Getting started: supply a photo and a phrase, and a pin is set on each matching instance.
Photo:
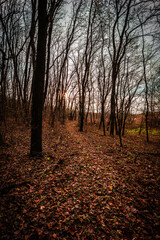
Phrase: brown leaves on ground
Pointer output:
(85, 187)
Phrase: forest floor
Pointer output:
(85, 187)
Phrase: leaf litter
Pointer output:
(84, 187)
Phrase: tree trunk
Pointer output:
(82, 113)
(146, 118)
(112, 116)
(38, 82)
(3, 101)
(124, 124)
(103, 120)
(146, 84)
(64, 110)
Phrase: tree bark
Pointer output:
(112, 116)
(82, 113)
(38, 81)
(3, 101)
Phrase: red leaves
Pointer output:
(27, 237)
(110, 203)
(54, 235)
(72, 232)
(90, 195)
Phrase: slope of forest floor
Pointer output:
(85, 187)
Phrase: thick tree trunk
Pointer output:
(38, 82)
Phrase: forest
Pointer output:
(80, 119)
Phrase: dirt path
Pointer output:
(89, 162)
(110, 190)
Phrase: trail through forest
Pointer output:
(85, 187)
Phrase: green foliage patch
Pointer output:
(153, 132)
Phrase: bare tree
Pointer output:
(122, 31)
(103, 81)
(38, 81)
(62, 73)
